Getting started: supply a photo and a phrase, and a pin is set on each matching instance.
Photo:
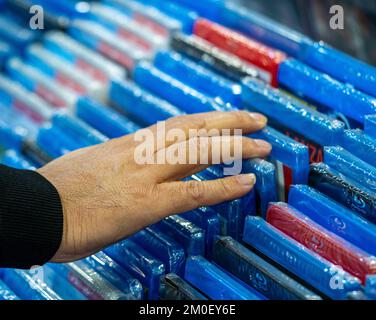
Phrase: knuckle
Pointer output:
(239, 116)
(196, 190)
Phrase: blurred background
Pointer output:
(311, 17)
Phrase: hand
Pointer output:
(107, 196)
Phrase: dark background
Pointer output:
(312, 17)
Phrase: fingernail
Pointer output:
(258, 117)
(263, 145)
(247, 179)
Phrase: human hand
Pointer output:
(107, 196)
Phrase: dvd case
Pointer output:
(214, 282)
(14, 95)
(174, 91)
(6, 293)
(334, 217)
(28, 286)
(163, 248)
(318, 239)
(255, 53)
(344, 190)
(307, 265)
(291, 159)
(139, 264)
(187, 234)
(207, 219)
(293, 118)
(140, 105)
(340, 66)
(82, 57)
(102, 40)
(361, 145)
(41, 84)
(175, 288)
(257, 273)
(321, 88)
(89, 282)
(370, 125)
(198, 77)
(349, 165)
(104, 119)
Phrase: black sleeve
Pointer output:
(31, 219)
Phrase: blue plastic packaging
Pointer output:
(340, 66)
(12, 158)
(257, 273)
(198, 77)
(6, 293)
(82, 57)
(107, 121)
(266, 182)
(319, 87)
(293, 118)
(191, 237)
(175, 288)
(6, 52)
(361, 145)
(129, 286)
(344, 190)
(140, 264)
(42, 85)
(289, 155)
(174, 91)
(28, 286)
(349, 165)
(209, 220)
(78, 130)
(88, 281)
(310, 267)
(163, 248)
(370, 125)
(102, 40)
(370, 288)
(13, 94)
(333, 216)
(214, 282)
(139, 105)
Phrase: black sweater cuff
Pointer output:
(31, 219)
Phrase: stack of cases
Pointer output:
(105, 69)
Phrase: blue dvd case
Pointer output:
(351, 166)
(163, 248)
(310, 267)
(174, 91)
(28, 286)
(333, 216)
(12, 158)
(139, 264)
(175, 288)
(293, 118)
(140, 105)
(187, 234)
(340, 66)
(6, 293)
(209, 220)
(361, 145)
(290, 157)
(104, 119)
(214, 282)
(319, 87)
(257, 273)
(344, 190)
(129, 286)
(78, 130)
(198, 77)
(370, 125)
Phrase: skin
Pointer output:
(107, 197)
